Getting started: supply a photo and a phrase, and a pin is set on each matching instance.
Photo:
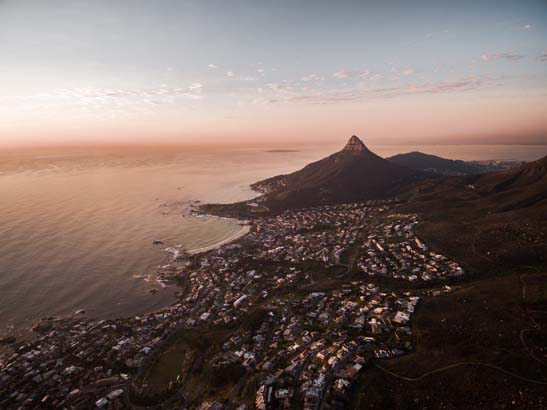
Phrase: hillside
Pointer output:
(490, 221)
(352, 174)
(442, 166)
(495, 225)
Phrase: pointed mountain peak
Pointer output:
(355, 145)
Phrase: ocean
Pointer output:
(77, 224)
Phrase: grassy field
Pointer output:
(169, 365)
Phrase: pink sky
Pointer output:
(272, 72)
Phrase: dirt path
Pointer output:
(454, 365)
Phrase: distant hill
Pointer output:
(442, 166)
(352, 174)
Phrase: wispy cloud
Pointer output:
(212, 66)
(509, 56)
(363, 74)
(237, 77)
(404, 71)
(282, 87)
(343, 74)
(106, 100)
(543, 56)
(193, 91)
(374, 77)
(195, 87)
(312, 77)
(527, 27)
(358, 94)
(370, 76)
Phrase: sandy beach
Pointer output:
(242, 232)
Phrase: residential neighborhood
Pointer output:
(296, 299)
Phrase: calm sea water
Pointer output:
(77, 224)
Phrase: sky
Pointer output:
(204, 71)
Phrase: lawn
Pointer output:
(167, 366)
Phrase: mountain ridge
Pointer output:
(489, 221)
(431, 163)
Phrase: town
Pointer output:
(293, 314)
(392, 249)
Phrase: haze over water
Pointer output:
(77, 224)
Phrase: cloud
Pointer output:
(212, 66)
(343, 74)
(233, 76)
(364, 74)
(358, 94)
(282, 87)
(543, 56)
(370, 76)
(408, 71)
(195, 87)
(260, 70)
(107, 100)
(311, 77)
(429, 35)
(527, 27)
(509, 56)
(136, 93)
(445, 86)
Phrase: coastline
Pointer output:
(24, 333)
(245, 229)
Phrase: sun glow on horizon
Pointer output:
(187, 72)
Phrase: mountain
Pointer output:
(352, 174)
(442, 166)
(490, 221)
(496, 192)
